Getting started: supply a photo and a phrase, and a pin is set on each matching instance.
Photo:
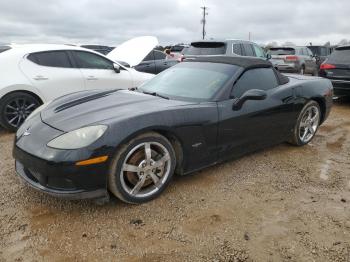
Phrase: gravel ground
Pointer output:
(281, 204)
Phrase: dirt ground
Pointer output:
(281, 204)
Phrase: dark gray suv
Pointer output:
(226, 47)
(294, 59)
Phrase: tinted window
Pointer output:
(159, 55)
(309, 53)
(324, 51)
(340, 56)
(237, 49)
(52, 59)
(92, 61)
(149, 57)
(259, 52)
(282, 51)
(191, 81)
(206, 48)
(248, 48)
(260, 78)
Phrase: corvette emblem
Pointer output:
(26, 133)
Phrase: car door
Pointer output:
(311, 60)
(52, 73)
(160, 61)
(147, 65)
(99, 73)
(256, 124)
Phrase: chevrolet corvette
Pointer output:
(196, 114)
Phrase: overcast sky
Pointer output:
(113, 21)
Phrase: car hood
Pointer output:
(85, 108)
(134, 50)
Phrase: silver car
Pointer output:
(296, 59)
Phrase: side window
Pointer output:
(149, 57)
(237, 49)
(259, 78)
(324, 51)
(309, 52)
(299, 51)
(159, 55)
(259, 52)
(51, 59)
(91, 61)
(248, 48)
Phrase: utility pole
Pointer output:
(203, 21)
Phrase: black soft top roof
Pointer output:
(245, 62)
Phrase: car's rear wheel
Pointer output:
(142, 168)
(15, 108)
(307, 124)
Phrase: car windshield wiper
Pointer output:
(155, 94)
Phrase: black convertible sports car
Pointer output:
(193, 115)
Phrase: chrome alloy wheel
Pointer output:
(17, 110)
(145, 169)
(309, 124)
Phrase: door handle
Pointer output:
(40, 78)
(92, 78)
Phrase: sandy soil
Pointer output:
(281, 204)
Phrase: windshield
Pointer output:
(282, 51)
(193, 81)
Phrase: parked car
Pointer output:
(155, 62)
(337, 68)
(193, 115)
(35, 74)
(103, 49)
(225, 47)
(320, 53)
(294, 59)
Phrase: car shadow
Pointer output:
(344, 100)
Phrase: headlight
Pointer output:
(38, 110)
(78, 138)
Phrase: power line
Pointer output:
(204, 21)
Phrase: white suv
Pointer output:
(34, 74)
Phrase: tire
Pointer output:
(135, 178)
(307, 124)
(15, 108)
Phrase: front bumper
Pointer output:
(61, 179)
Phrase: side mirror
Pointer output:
(268, 56)
(252, 94)
(116, 68)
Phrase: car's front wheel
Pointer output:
(142, 168)
(307, 124)
(15, 108)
